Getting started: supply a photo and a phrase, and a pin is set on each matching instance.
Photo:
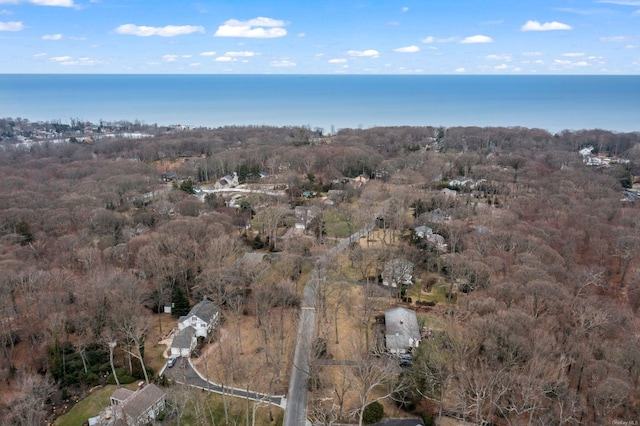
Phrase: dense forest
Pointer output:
(541, 274)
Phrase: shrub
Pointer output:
(373, 413)
(427, 419)
(123, 377)
(91, 379)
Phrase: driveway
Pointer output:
(184, 372)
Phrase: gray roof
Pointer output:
(142, 399)
(121, 394)
(423, 229)
(250, 260)
(401, 326)
(183, 338)
(205, 310)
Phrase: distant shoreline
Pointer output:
(550, 102)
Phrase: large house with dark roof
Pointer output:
(197, 323)
(132, 408)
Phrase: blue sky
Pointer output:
(321, 37)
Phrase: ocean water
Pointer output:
(330, 102)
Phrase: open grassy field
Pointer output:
(89, 407)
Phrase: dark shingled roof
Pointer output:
(142, 399)
(184, 338)
(121, 394)
(205, 310)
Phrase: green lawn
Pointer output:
(97, 400)
(88, 407)
(337, 226)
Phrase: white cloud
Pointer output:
(432, 39)
(260, 27)
(547, 26)
(170, 58)
(404, 9)
(52, 37)
(407, 49)
(501, 67)
(6, 12)
(241, 54)
(460, 69)
(615, 39)
(282, 63)
(60, 3)
(224, 59)
(167, 31)
(621, 2)
(504, 58)
(211, 53)
(370, 53)
(581, 64)
(301, 35)
(195, 64)
(11, 26)
(532, 53)
(573, 54)
(477, 39)
(69, 61)
(337, 61)
(39, 55)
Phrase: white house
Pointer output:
(197, 323)
(397, 272)
(402, 332)
(202, 317)
(424, 232)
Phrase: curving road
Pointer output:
(185, 373)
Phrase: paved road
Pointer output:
(296, 411)
(187, 374)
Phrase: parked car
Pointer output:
(171, 362)
(405, 363)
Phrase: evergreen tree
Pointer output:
(180, 301)
(24, 230)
